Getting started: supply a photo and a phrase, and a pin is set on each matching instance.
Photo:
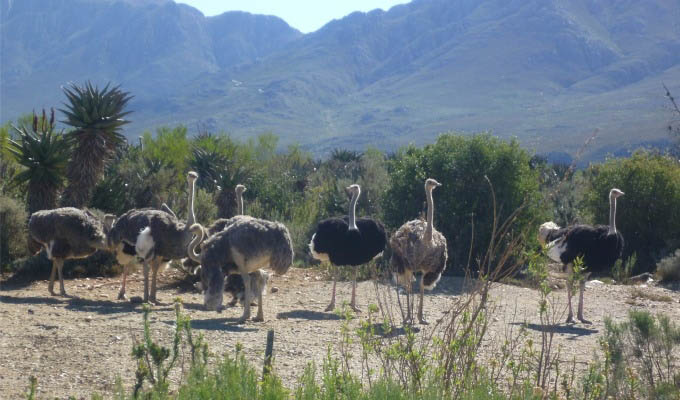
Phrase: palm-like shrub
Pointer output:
(97, 116)
(44, 153)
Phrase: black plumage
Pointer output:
(349, 247)
(599, 247)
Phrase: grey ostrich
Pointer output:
(234, 283)
(418, 247)
(123, 237)
(67, 233)
(243, 247)
(164, 239)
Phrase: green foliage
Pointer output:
(648, 215)
(168, 147)
(13, 232)
(97, 116)
(641, 360)
(155, 362)
(668, 269)
(461, 164)
(622, 270)
(44, 154)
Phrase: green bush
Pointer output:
(668, 269)
(640, 360)
(648, 215)
(13, 231)
(461, 163)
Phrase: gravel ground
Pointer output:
(81, 344)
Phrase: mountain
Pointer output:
(550, 72)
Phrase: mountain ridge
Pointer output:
(549, 72)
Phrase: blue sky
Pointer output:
(304, 15)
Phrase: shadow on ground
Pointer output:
(308, 315)
(574, 330)
(219, 324)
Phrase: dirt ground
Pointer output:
(81, 344)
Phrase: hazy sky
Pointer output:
(304, 15)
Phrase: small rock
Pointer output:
(88, 318)
(31, 311)
(274, 289)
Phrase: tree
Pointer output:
(97, 116)
(648, 215)
(461, 164)
(44, 153)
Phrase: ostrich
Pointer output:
(164, 239)
(234, 283)
(599, 245)
(243, 247)
(68, 233)
(418, 247)
(348, 241)
(124, 236)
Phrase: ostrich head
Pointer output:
(212, 282)
(431, 184)
(191, 177)
(240, 189)
(614, 193)
(353, 190)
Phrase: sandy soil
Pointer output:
(80, 344)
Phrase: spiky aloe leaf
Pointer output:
(98, 116)
(44, 153)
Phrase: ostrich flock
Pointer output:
(232, 254)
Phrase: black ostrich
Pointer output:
(599, 245)
(348, 241)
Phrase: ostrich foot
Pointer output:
(258, 319)
(62, 292)
(584, 321)
(122, 296)
(51, 290)
(570, 319)
(355, 308)
(423, 321)
(330, 307)
(241, 320)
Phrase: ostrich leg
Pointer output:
(420, 305)
(246, 306)
(121, 292)
(331, 306)
(260, 311)
(53, 276)
(353, 303)
(156, 264)
(582, 289)
(60, 265)
(146, 281)
(570, 316)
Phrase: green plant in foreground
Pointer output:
(154, 362)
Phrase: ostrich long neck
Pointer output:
(191, 219)
(612, 214)
(239, 203)
(197, 230)
(352, 212)
(430, 216)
